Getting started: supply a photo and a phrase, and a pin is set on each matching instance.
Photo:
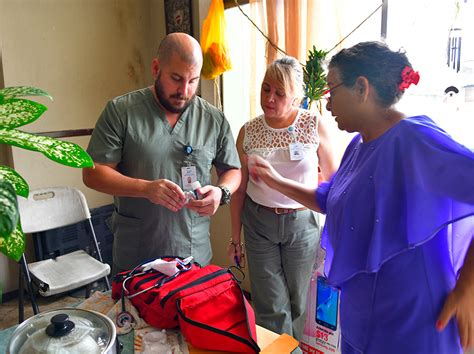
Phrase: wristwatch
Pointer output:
(225, 198)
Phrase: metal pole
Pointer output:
(383, 30)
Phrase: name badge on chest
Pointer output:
(188, 175)
(296, 151)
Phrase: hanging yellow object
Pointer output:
(216, 57)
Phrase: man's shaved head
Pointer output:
(181, 44)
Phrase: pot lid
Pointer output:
(65, 330)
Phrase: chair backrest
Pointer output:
(50, 208)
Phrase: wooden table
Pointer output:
(268, 341)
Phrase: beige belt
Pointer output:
(280, 211)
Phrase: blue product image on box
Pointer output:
(53, 243)
(327, 300)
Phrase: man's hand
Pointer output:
(209, 202)
(165, 193)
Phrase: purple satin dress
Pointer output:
(400, 218)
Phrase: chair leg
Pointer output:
(97, 250)
(27, 278)
(21, 296)
(88, 290)
(107, 284)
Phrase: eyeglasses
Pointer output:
(327, 93)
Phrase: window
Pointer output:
(241, 85)
(440, 45)
(438, 39)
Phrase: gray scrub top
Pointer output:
(133, 132)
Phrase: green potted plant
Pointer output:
(16, 112)
(315, 77)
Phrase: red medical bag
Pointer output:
(213, 312)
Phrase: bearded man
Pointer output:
(149, 146)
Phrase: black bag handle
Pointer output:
(239, 279)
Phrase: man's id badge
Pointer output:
(296, 151)
(188, 175)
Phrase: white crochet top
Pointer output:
(274, 145)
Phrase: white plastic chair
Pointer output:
(51, 208)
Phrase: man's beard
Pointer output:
(166, 103)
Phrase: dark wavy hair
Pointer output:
(375, 61)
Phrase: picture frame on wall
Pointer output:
(178, 16)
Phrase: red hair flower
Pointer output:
(408, 77)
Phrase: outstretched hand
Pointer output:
(459, 304)
(261, 170)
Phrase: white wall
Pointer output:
(83, 53)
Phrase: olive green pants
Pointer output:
(280, 255)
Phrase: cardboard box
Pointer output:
(268, 341)
(321, 334)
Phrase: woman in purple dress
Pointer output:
(400, 214)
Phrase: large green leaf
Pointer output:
(16, 112)
(8, 209)
(13, 246)
(22, 91)
(10, 175)
(314, 75)
(63, 152)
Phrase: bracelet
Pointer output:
(241, 244)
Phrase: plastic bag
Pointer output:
(216, 59)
